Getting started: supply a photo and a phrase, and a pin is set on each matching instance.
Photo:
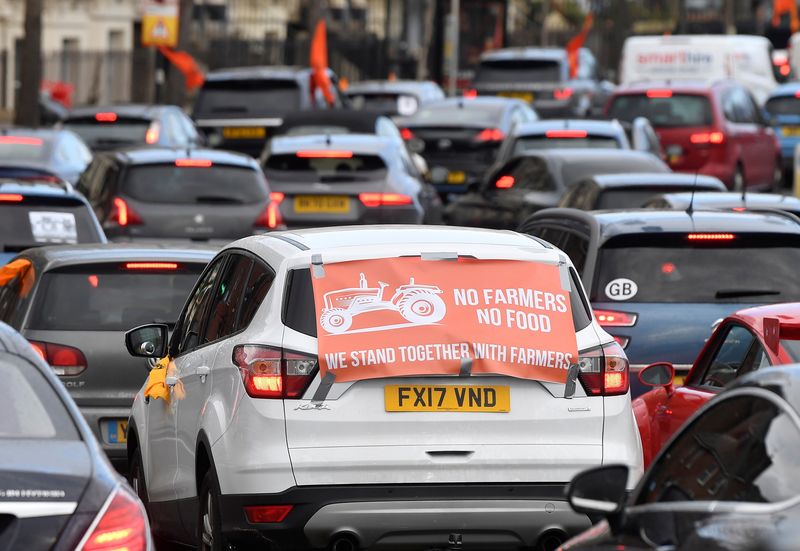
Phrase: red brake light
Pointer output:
(604, 371)
(273, 373)
(325, 154)
(797, 94)
(276, 196)
(785, 70)
(106, 117)
(124, 215)
(121, 525)
(10, 197)
(566, 133)
(93, 280)
(384, 199)
(505, 182)
(668, 268)
(65, 361)
(470, 93)
(406, 134)
(153, 133)
(658, 93)
(707, 137)
(563, 93)
(271, 216)
(739, 209)
(20, 140)
(612, 318)
(151, 265)
(710, 236)
(261, 514)
(195, 163)
(490, 135)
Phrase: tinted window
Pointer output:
(542, 142)
(23, 148)
(462, 113)
(572, 172)
(291, 168)
(519, 70)
(45, 220)
(741, 449)
(29, 407)
(106, 135)
(259, 283)
(110, 297)
(732, 357)
(783, 106)
(187, 332)
(675, 111)
(627, 198)
(227, 298)
(673, 269)
(239, 98)
(529, 174)
(168, 183)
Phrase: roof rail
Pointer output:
(776, 211)
(288, 240)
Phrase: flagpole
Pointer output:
(455, 11)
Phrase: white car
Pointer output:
(298, 462)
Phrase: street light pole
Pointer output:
(27, 101)
(454, 28)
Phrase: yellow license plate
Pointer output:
(456, 177)
(469, 398)
(244, 133)
(336, 204)
(524, 96)
(117, 431)
(792, 131)
(678, 380)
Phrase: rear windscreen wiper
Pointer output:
(737, 293)
(217, 200)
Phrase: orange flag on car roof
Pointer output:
(576, 43)
(187, 65)
(318, 60)
(781, 8)
(19, 268)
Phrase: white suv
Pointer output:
(231, 462)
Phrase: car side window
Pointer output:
(744, 107)
(88, 179)
(729, 105)
(731, 356)
(551, 234)
(187, 333)
(576, 247)
(226, 298)
(258, 285)
(529, 174)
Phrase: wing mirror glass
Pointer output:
(599, 491)
(148, 341)
(657, 374)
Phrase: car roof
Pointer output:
(355, 120)
(784, 90)
(558, 54)
(410, 86)
(152, 155)
(787, 312)
(50, 257)
(731, 199)
(365, 144)
(657, 179)
(263, 72)
(132, 110)
(610, 128)
(569, 155)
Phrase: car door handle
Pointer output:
(203, 371)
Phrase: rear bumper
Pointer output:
(393, 516)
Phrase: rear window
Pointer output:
(23, 148)
(676, 111)
(168, 183)
(121, 132)
(627, 198)
(37, 221)
(294, 168)
(401, 104)
(463, 113)
(248, 98)
(672, 269)
(572, 172)
(29, 407)
(519, 70)
(97, 297)
(542, 142)
(783, 106)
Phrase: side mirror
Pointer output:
(148, 341)
(659, 374)
(599, 491)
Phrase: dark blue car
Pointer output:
(783, 110)
(658, 280)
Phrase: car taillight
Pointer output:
(505, 182)
(272, 372)
(384, 199)
(153, 133)
(612, 318)
(325, 154)
(562, 93)
(707, 138)
(622, 341)
(490, 135)
(271, 216)
(470, 93)
(21, 140)
(123, 215)
(566, 134)
(710, 236)
(604, 371)
(260, 514)
(194, 163)
(106, 117)
(120, 525)
(65, 361)
(152, 266)
(10, 197)
(406, 134)
(659, 93)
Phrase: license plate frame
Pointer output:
(321, 204)
(527, 97)
(244, 133)
(456, 177)
(447, 398)
(115, 431)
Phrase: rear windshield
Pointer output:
(519, 70)
(45, 220)
(676, 111)
(575, 171)
(23, 148)
(627, 198)
(459, 114)
(97, 297)
(301, 316)
(542, 142)
(121, 132)
(29, 407)
(169, 183)
(745, 269)
(292, 168)
(247, 98)
(400, 104)
(783, 106)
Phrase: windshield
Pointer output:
(292, 168)
(459, 114)
(96, 297)
(248, 98)
(519, 70)
(673, 269)
(169, 183)
(37, 221)
(542, 142)
(783, 106)
(123, 131)
(675, 111)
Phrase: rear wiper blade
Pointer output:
(217, 200)
(736, 293)
(11, 248)
(229, 109)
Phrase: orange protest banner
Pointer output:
(409, 316)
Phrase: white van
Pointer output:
(745, 59)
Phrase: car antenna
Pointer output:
(690, 208)
(744, 193)
(327, 139)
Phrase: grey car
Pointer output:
(393, 97)
(74, 303)
(42, 153)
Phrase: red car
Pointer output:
(746, 341)
(712, 129)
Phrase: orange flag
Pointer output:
(781, 7)
(187, 65)
(318, 60)
(576, 43)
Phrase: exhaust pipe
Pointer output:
(343, 542)
(551, 539)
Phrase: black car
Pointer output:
(625, 191)
(726, 481)
(237, 109)
(57, 489)
(199, 194)
(726, 201)
(42, 153)
(659, 279)
(541, 78)
(538, 179)
(460, 138)
(124, 125)
(393, 97)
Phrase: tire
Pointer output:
(209, 523)
(137, 481)
(336, 320)
(739, 183)
(422, 307)
(778, 177)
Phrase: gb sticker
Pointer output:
(621, 289)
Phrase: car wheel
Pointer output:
(137, 481)
(209, 533)
(739, 182)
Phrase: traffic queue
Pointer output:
(547, 313)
